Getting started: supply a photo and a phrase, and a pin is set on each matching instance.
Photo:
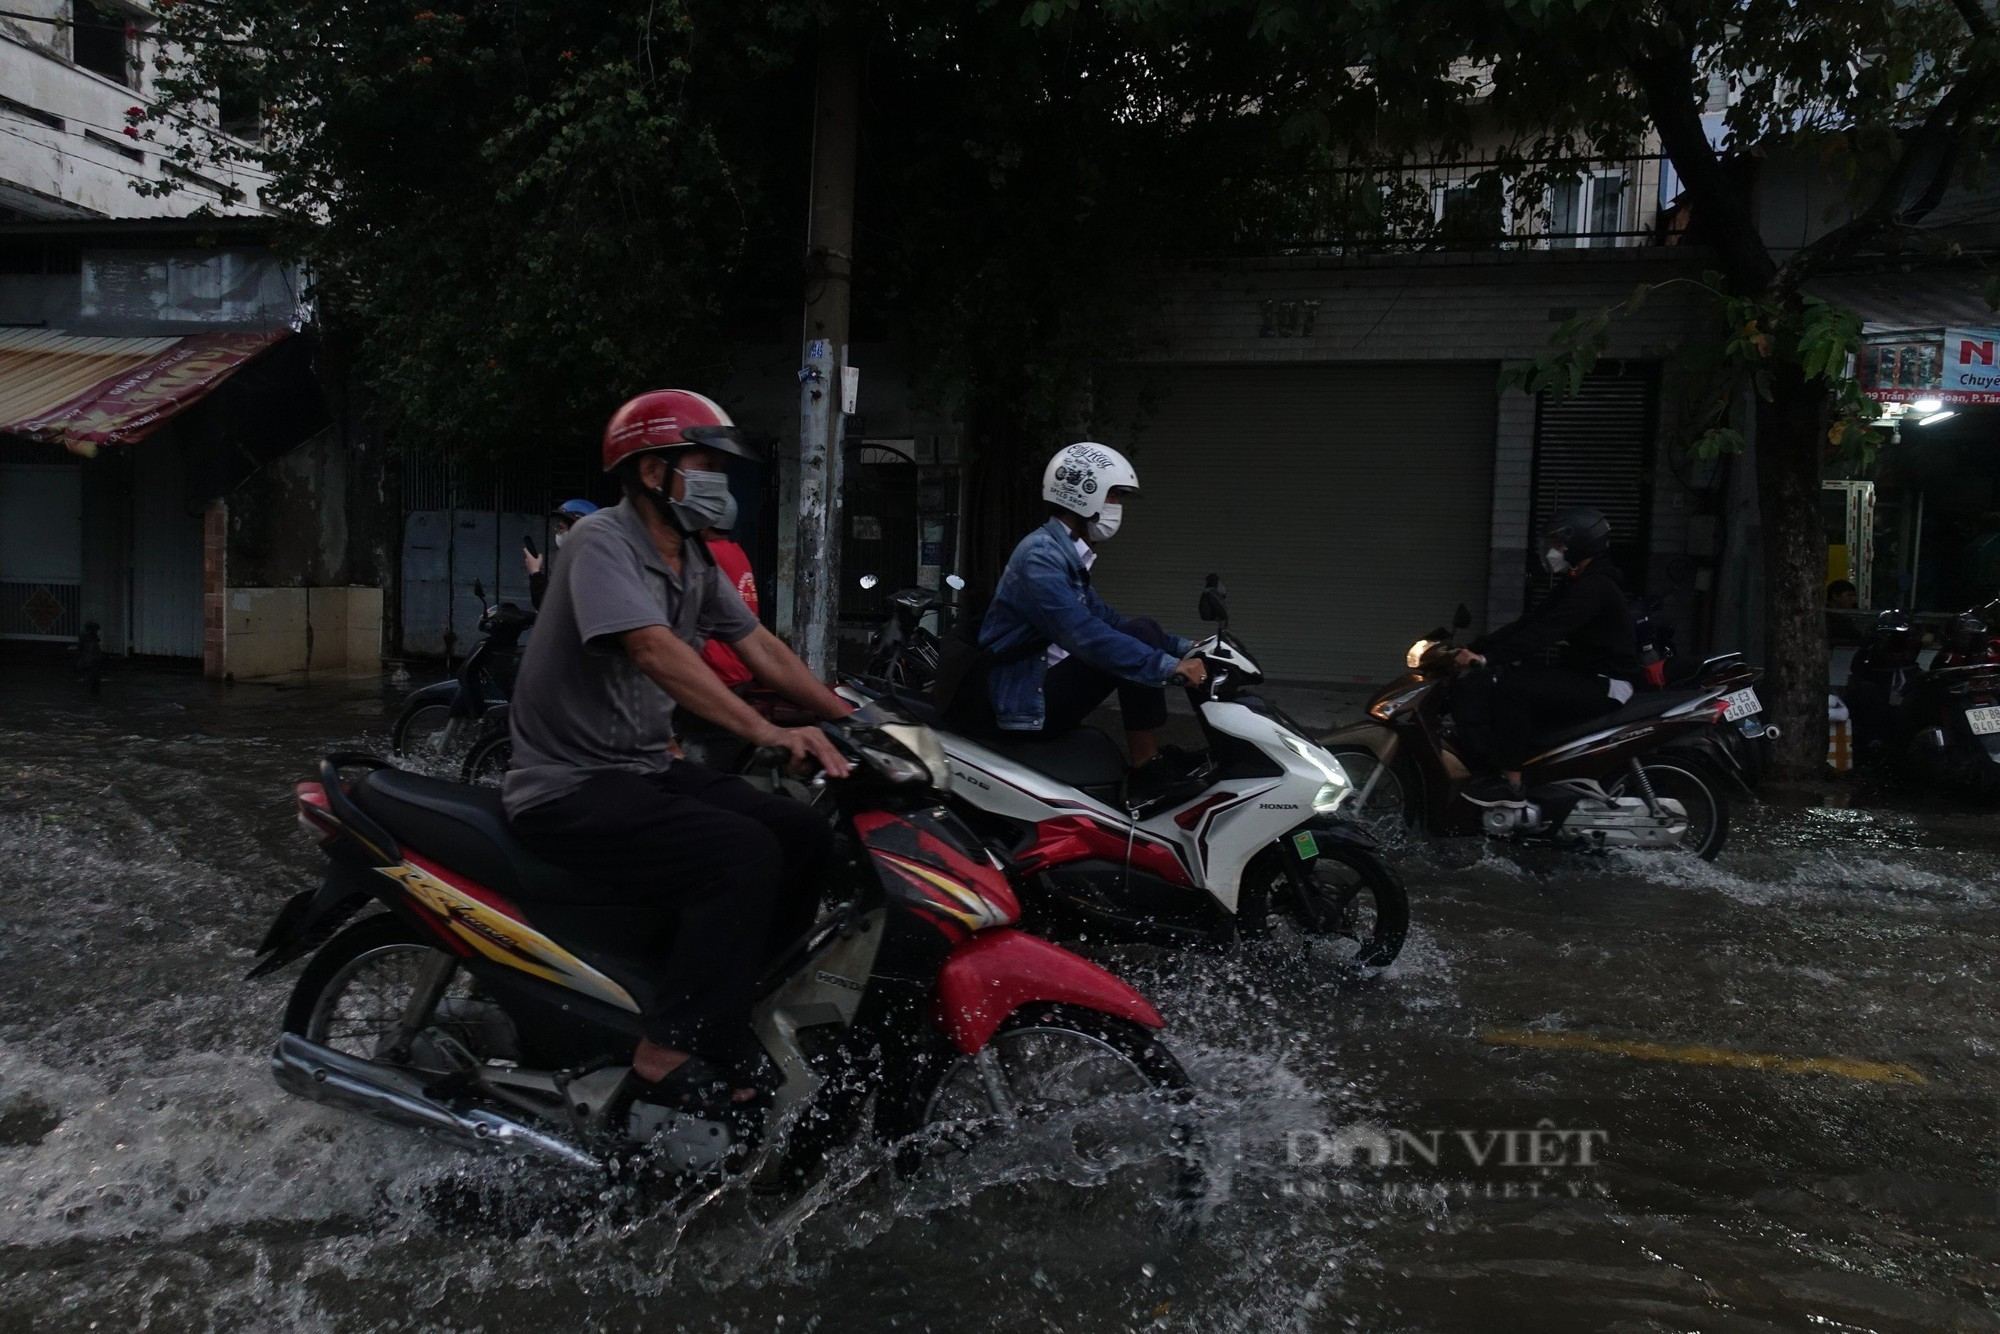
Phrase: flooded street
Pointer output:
(1611, 1094)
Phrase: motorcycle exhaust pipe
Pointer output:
(1772, 732)
(336, 1079)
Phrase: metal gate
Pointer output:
(166, 551)
(41, 550)
(463, 521)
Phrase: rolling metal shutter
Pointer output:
(1347, 508)
(166, 551)
(41, 544)
(1592, 449)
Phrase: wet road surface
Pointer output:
(1611, 1094)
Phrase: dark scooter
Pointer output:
(1939, 725)
(441, 718)
(1652, 774)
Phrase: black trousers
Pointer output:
(711, 875)
(1073, 688)
(1500, 710)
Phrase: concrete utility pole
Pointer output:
(829, 282)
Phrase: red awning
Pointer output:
(149, 381)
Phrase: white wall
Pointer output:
(68, 170)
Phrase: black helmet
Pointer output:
(1580, 531)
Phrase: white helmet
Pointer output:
(1082, 476)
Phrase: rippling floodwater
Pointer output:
(152, 1176)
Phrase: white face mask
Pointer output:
(1105, 525)
(561, 533)
(1554, 559)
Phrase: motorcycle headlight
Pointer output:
(929, 751)
(1334, 790)
(1415, 657)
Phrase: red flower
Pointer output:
(129, 130)
(135, 113)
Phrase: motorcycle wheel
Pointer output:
(1091, 1099)
(1345, 898)
(423, 730)
(488, 761)
(1700, 794)
(1395, 807)
(353, 994)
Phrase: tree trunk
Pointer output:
(1790, 428)
(1003, 495)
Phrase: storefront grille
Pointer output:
(1592, 448)
(40, 610)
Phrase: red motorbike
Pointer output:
(487, 998)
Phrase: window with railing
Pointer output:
(1514, 205)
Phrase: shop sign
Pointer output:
(1960, 367)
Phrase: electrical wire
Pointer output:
(131, 29)
(107, 166)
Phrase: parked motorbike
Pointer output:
(1939, 724)
(439, 719)
(1251, 827)
(492, 1003)
(1648, 775)
(903, 651)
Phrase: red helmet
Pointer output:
(669, 419)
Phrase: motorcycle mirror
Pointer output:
(1461, 618)
(869, 581)
(479, 591)
(954, 583)
(1212, 606)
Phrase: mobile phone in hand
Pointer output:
(528, 545)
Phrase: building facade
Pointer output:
(173, 468)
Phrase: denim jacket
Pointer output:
(1045, 598)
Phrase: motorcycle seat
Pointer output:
(1083, 758)
(1649, 704)
(463, 828)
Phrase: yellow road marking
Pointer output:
(1875, 1072)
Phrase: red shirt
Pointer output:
(735, 566)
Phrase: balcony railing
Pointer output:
(1578, 203)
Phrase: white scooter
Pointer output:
(1250, 827)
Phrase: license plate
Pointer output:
(1741, 704)
(1983, 722)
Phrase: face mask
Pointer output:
(561, 533)
(1105, 525)
(1554, 559)
(703, 498)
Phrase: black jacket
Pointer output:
(1587, 614)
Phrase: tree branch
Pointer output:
(1976, 18)
(1666, 77)
(1929, 153)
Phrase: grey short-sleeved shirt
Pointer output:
(579, 705)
